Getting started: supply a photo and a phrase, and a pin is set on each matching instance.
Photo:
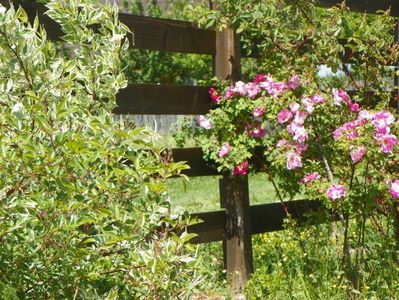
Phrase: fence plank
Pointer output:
(195, 159)
(181, 36)
(168, 35)
(33, 9)
(163, 100)
(264, 218)
(155, 99)
(238, 243)
(148, 33)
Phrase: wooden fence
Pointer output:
(237, 220)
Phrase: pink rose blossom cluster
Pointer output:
(292, 145)
(340, 96)
(310, 102)
(349, 129)
(294, 150)
(295, 119)
(256, 130)
(381, 121)
(261, 82)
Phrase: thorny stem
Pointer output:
(346, 253)
(323, 156)
(329, 176)
(278, 194)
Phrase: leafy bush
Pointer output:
(83, 209)
(305, 263)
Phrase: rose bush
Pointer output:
(322, 137)
(317, 143)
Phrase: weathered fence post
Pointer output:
(237, 245)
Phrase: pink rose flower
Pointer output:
(349, 129)
(258, 132)
(388, 142)
(260, 77)
(364, 116)
(336, 191)
(240, 88)
(317, 99)
(281, 143)
(298, 132)
(309, 106)
(204, 122)
(357, 153)
(253, 89)
(339, 96)
(382, 120)
(294, 107)
(310, 177)
(215, 96)
(229, 93)
(258, 112)
(293, 160)
(354, 107)
(241, 169)
(284, 116)
(266, 83)
(394, 188)
(225, 150)
(300, 147)
(300, 117)
(276, 89)
(255, 130)
(293, 83)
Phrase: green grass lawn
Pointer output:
(202, 193)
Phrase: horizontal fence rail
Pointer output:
(264, 218)
(163, 100)
(155, 99)
(185, 37)
(147, 33)
(194, 157)
(168, 35)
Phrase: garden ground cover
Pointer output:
(201, 194)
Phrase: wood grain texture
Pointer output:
(227, 60)
(163, 100)
(238, 243)
(168, 35)
(195, 159)
(264, 218)
(152, 99)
